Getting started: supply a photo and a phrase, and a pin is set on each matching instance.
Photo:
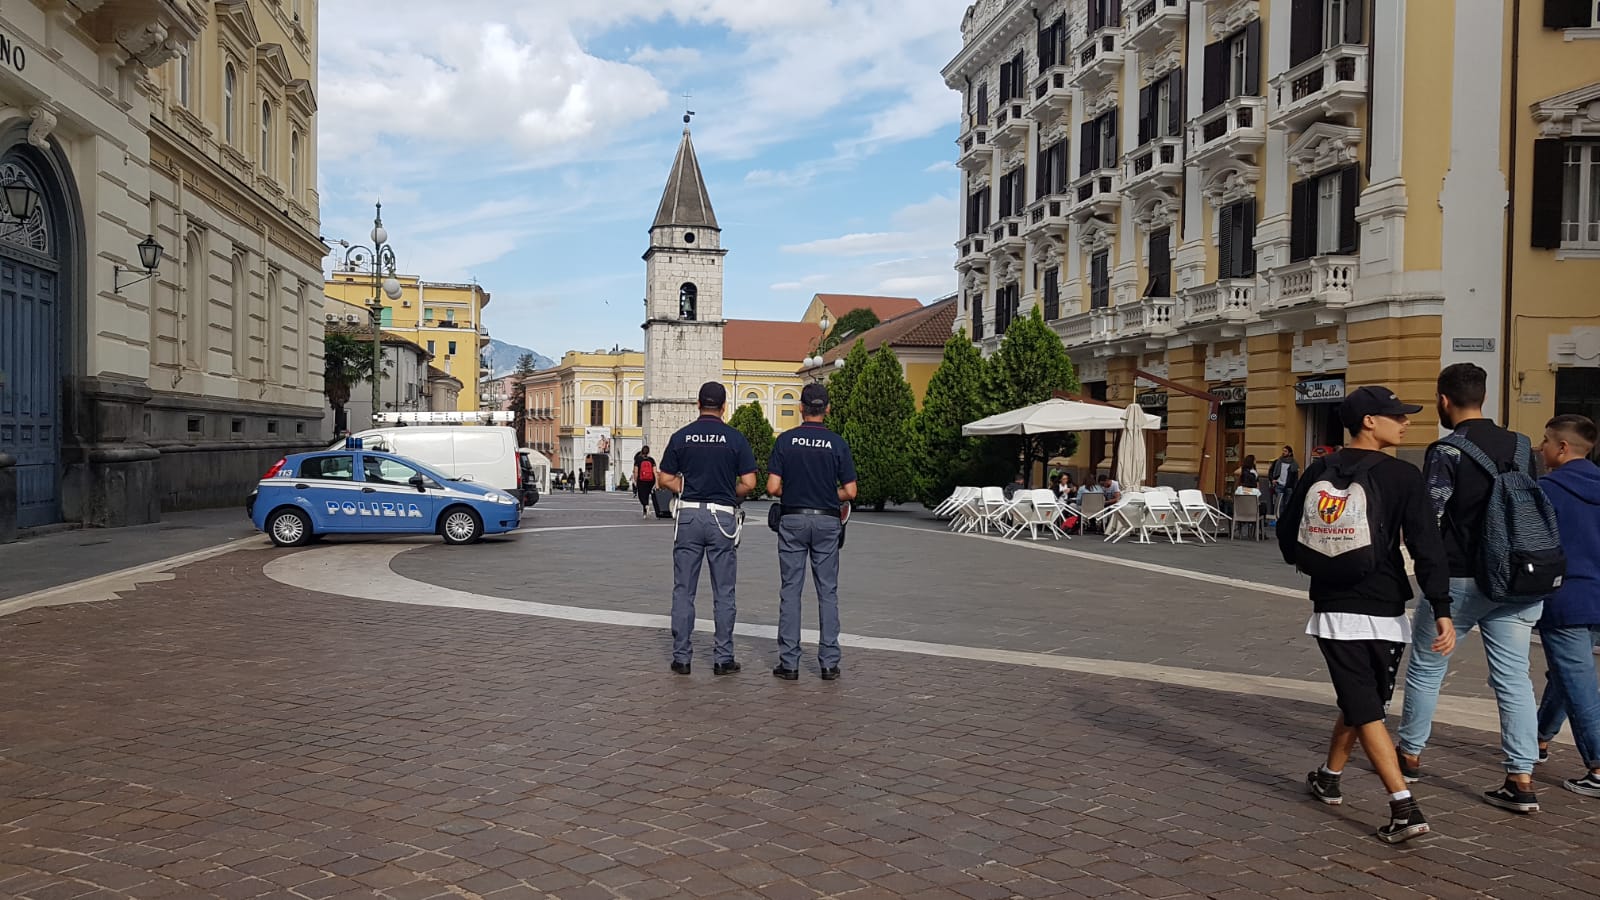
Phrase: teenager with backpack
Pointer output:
(1343, 525)
(644, 479)
(1498, 532)
(1571, 620)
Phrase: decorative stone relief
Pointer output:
(1159, 212)
(973, 283)
(978, 15)
(150, 44)
(1053, 133)
(1321, 357)
(1227, 366)
(1229, 18)
(1578, 347)
(1104, 100)
(1095, 234)
(1162, 61)
(1232, 184)
(1091, 370)
(1015, 158)
(1573, 114)
(1159, 369)
(44, 122)
(1324, 146)
(980, 182)
(1012, 270)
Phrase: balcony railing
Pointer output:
(1100, 56)
(1154, 22)
(972, 251)
(1238, 126)
(1333, 82)
(1098, 191)
(1148, 316)
(1007, 234)
(975, 150)
(1322, 280)
(1052, 91)
(1154, 164)
(1010, 125)
(1226, 300)
(1048, 214)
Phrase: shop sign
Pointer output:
(1472, 345)
(1321, 390)
(11, 53)
(1153, 400)
(1233, 416)
(1233, 394)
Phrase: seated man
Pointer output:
(1110, 488)
(1015, 485)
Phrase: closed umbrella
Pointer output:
(1132, 463)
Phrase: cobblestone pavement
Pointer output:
(224, 735)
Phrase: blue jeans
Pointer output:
(702, 536)
(813, 538)
(1507, 631)
(1571, 688)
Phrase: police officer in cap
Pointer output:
(711, 467)
(814, 476)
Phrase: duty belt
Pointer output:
(809, 511)
(703, 504)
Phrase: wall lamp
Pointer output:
(149, 256)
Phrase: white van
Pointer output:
(481, 454)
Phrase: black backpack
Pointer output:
(1339, 538)
(1519, 554)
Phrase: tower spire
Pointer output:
(685, 202)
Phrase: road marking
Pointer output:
(363, 571)
(109, 585)
(1276, 590)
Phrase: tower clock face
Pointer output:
(688, 237)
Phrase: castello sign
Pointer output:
(11, 53)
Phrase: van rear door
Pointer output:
(489, 455)
(434, 449)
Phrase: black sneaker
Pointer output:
(1588, 785)
(1405, 822)
(1411, 772)
(1325, 787)
(727, 668)
(680, 668)
(1544, 755)
(1511, 796)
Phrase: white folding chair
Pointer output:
(950, 504)
(1127, 517)
(1033, 510)
(1193, 513)
(992, 506)
(965, 516)
(1160, 514)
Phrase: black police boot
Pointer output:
(727, 668)
(680, 668)
(786, 674)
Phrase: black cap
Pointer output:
(1372, 400)
(713, 395)
(814, 397)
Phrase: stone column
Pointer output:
(1272, 418)
(1186, 416)
(1401, 354)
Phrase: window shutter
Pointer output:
(1252, 59)
(1355, 31)
(1302, 220)
(1115, 17)
(1566, 14)
(1225, 248)
(1214, 76)
(1019, 76)
(1005, 82)
(1175, 108)
(1549, 157)
(1020, 190)
(1094, 23)
(1305, 31)
(1349, 197)
(1159, 261)
(1108, 126)
(1146, 118)
(983, 104)
(1088, 147)
(1247, 239)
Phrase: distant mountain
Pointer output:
(503, 357)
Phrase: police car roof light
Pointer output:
(352, 443)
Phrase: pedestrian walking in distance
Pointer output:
(711, 468)
(1343, 525)
(644, 478)
(1571, 620)
(1461, 472)
(811, 473)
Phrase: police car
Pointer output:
(356, 491)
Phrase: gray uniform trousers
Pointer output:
(701, 539)
(815, 538)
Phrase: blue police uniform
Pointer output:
(812, 462)
(710, 457)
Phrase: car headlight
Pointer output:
(503, 498)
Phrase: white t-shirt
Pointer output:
(1343, 626)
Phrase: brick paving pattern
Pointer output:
(221, 735)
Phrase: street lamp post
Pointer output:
(814, 358)
(379, 258)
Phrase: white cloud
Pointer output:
(940, 167)
(667, 56)
(801, 284)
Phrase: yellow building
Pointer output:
(443, 318)
(570, 406)
(916, 337)
(1276, 201)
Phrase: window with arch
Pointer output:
(230, 96)
(787, 411)
(266, 136)
(197, 316)
(274, 332)
(302, 354)
(241, 316)
(294, 164)
(688, 301)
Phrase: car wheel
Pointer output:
(288, 528)
(460, 525)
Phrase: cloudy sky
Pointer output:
(525, 143)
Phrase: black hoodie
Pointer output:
(1401, 498)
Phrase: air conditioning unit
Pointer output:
(352, 318)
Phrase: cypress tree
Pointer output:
(956, 396)
(879, 431)
(1030, 366)
(841, 387)
(749, 421)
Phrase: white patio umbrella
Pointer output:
(1132, 462)
(1063, 415)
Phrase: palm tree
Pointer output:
(346, 362)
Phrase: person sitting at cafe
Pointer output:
(1108, 486)
(1016, 484)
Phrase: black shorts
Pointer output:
(1363, 675)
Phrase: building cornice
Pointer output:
(1008, 20)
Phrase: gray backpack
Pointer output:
(1519, 555)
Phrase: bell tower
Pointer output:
(683, 300)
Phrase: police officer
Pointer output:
(711, 468)
(812, 473)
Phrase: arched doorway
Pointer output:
(33, 328)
